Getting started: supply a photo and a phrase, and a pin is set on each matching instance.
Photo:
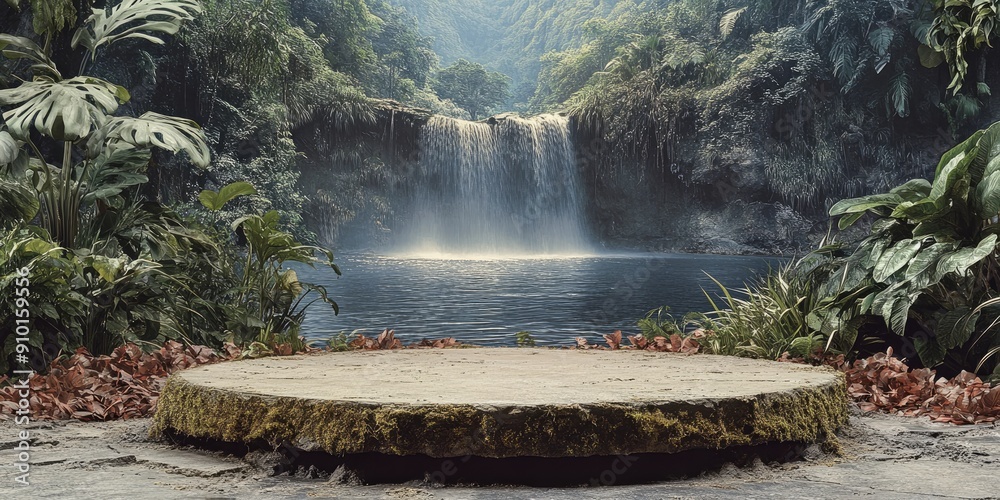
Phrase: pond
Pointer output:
(486, 302)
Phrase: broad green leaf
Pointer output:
(965, 147)
(930, 351)
(929, 57)
(866, 304)
(942, 230)
(153, 130)
(914, 190)
(135, 19)
(18, 47)
(960, 261)
(896, 310)
(106, 267)
(17, 202)
(955, 327)
(9, 149)
(861, 205)
(916, 210)
(215, 201)
(881, 40)
(895, 259)
(949, 176)
(988, 195)
(849, 220)
(66, 111)
(39, 246)
(921, 271)
(987, 149)
(111, 173)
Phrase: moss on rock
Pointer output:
(809, 414)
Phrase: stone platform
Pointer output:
(503, 403)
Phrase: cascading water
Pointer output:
(510, 188)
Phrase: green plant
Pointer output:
(960, 27)
(103, 262)
(930, 260)
(525, 339)
(272, 298)
(658, 323)
(772, 319)
(341, 342)
(98, 154)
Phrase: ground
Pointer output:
(883, 456)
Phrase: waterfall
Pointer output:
(506, 188)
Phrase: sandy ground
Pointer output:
(883, 457)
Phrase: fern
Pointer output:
(728, 22)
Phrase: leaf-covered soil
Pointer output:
(884, 456)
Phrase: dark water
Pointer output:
(486, 302)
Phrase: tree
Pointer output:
(472, 87)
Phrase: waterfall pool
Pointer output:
(486, 302)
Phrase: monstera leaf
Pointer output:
(153, 130)
(66, 111)
(135, 19)
(18, 47)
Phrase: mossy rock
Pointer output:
(505, 402)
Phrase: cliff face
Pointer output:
(362, 182)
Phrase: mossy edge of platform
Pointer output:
(808, 414)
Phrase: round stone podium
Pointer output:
(503, 403)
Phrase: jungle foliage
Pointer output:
(107, 264)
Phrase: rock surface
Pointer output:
(883, 457)
(505, 402)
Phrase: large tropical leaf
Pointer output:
(895, 259)
(861, 205)
(881, 40)
(988, 194)
(66, 111)
(955, 327)
(921, 270)
(153, 130)
(113, 172)
(215, 201)
(959, 262)
(9, 149)
(899, 93)
(135, 19)
(17, 201)
(19, 47)
(914, 190)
